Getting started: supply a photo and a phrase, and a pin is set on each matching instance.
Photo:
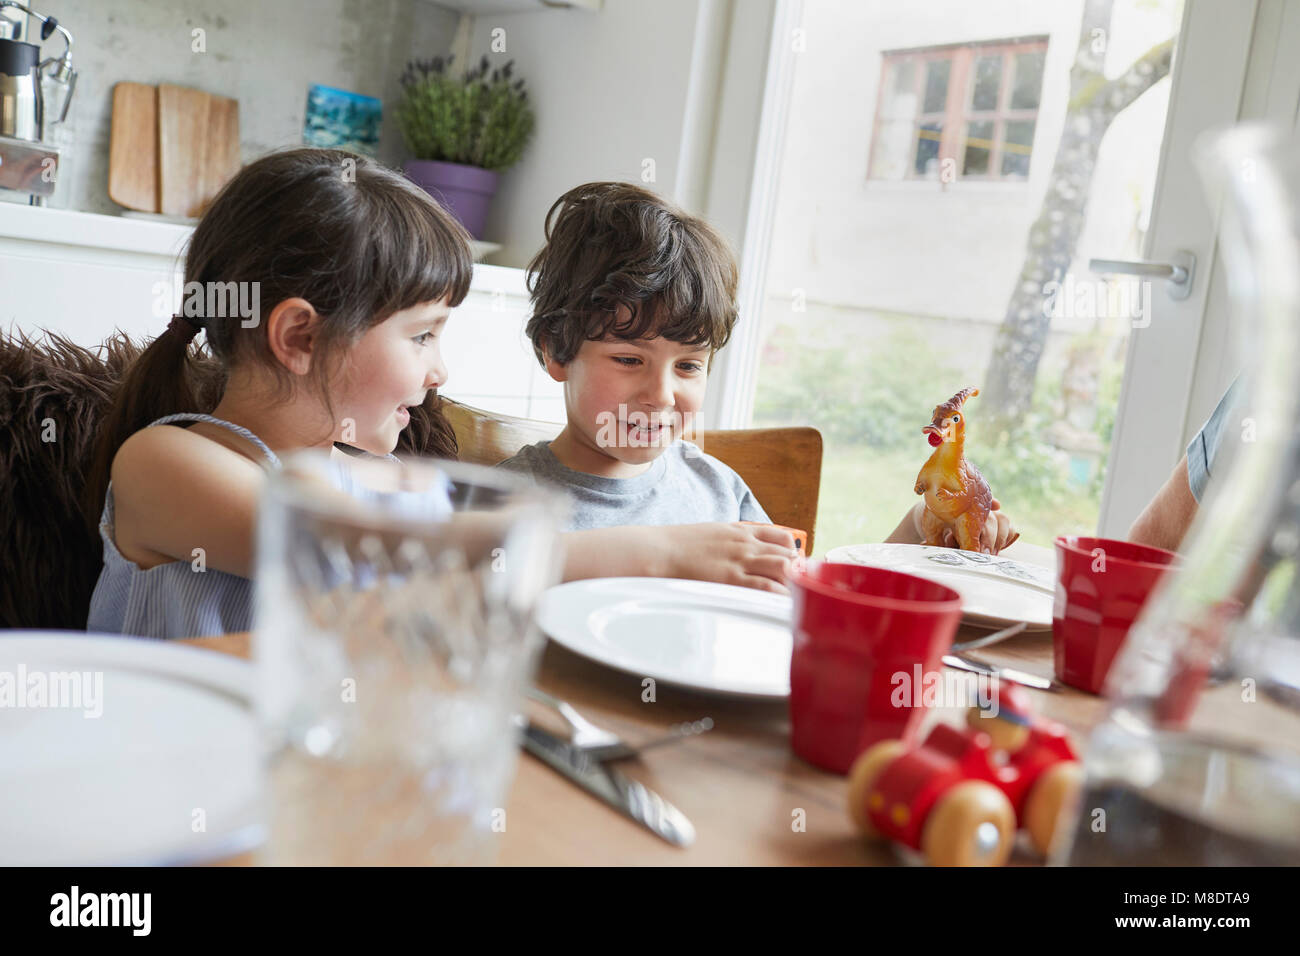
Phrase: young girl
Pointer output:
(351, 272)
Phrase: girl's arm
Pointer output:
(174, 491)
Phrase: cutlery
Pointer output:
(1002, 673)
(601, 744)
(988, 639)
(629, 797)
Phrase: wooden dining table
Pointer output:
(751, 800)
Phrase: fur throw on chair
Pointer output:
(53, 396)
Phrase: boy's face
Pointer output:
(392, 367)
(628, 400)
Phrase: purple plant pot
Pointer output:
(466, 191)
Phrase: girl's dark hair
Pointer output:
(355, 239)
(612, 245)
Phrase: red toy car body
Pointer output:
(894, 792)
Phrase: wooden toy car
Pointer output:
(960, 796)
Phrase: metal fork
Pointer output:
(605, 745)
(988, 639)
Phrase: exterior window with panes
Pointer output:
(974, 104)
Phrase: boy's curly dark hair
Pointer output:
(621, 261)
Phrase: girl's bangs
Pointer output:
(424, 259)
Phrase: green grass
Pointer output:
(864, 494)
(868, 381)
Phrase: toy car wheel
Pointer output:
(1054, 791)
(1003, 734)
(863, 774)
(973, 824)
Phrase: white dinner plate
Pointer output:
(995, 591)
(168, 773)
(708, 637)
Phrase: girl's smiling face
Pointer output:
(391, 368)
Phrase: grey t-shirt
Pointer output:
(681, 486)
(1203, 450)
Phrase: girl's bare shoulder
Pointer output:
(173, 485)
(163, 452)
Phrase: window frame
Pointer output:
(1233, 62)
(958, 114)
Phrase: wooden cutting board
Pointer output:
(133, 147)
(221, 160)
(182, 143)
(178, 147)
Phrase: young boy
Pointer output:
(631, 298)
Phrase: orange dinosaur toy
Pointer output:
(957, 498)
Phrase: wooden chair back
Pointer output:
(782, 466)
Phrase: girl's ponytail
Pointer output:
(168, 376)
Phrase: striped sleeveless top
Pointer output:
(169, 600)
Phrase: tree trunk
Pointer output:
(1008, 385)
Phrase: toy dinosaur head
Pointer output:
(948, 423)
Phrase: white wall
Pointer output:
(676, 81)
(610, 90)
(264, 53)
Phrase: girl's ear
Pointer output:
(291, 333)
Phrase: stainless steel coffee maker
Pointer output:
(34, 98)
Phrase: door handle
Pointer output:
(1180, 272)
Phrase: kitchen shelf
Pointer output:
(126, 234)
(494, 7)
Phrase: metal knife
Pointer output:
(630, 798)
(1002, 673)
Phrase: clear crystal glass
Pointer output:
(1198, 759)
(393, 637)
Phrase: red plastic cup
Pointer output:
(855, 629)
(1101, 588)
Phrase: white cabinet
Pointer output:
(490, 362)
(84, 275)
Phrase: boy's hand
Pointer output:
(750, 555)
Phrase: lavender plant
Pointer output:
(478, 118)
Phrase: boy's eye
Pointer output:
(691, 367)
(422, 338)
(626, 360)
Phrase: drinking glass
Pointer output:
(393, 636)
(1198, 758)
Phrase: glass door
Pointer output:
(944, 173)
